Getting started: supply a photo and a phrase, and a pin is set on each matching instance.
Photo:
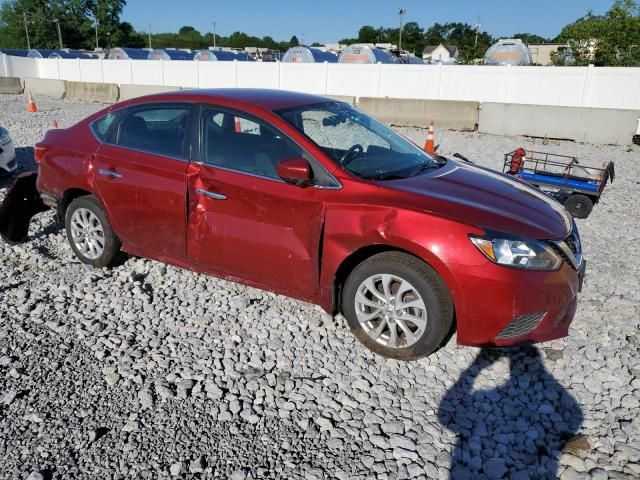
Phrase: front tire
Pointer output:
(89, 233)
(397, 306)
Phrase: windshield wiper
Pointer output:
(435, 163)
(385, 176)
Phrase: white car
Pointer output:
(7, 153)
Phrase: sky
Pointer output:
(328, 21)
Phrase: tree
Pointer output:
(531, 38)
(186, 30)
(609, 39)
(413, 38)
(125, 36)
(348, 41)
(108, 12)
(368, 34)
(462, 36)
(77, 20)
(294, 42)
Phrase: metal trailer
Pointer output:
(14, 52)
(302, 54)
(39, 53)
(449, 61)
(120, 53)
(169, 54)
(562, 177)
(508, 52)
(409, 59)
(221, 56)
(71, 54)
(362, 53)
(268, 55)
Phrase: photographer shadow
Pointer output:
(516, 430)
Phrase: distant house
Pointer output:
(440, 53)
(542, 54)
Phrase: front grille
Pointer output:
(521, 325)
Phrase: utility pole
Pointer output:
(475, 45)
(57, 22)
(26, 29)
(214, 34)
(149, 36)
(96, 19)
(401, 13)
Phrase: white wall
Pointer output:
(17, 66)
(617, 88)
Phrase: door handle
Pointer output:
(109, 173)
(214, 195)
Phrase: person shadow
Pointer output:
(515, 430)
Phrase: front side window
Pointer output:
(236, 141)
(161, 130)
(358, 142)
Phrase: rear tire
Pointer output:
(89, 233)
(578, 205)
(395, 291)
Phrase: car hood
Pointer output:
(484, 198)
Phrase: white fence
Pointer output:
(599, 87)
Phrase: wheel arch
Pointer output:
(360, 255)
(69, 196)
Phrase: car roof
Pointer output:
(262, 98)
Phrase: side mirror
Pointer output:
(294, 170)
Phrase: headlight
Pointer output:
(518, 253)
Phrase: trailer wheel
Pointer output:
(578, 205)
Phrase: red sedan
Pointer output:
(312, 198)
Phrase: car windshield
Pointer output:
(359, 143)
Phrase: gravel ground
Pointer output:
(149, 371)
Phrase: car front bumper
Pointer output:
(505, 306)
(8, 158)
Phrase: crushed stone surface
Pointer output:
(149, 371)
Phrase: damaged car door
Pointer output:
(140, 177)
(243, 219)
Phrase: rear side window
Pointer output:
(160, 130)
(102, 126)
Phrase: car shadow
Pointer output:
(515, 430)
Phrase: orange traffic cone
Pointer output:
(429, 145)
(54, 123)
(238, 125)
(31, 105)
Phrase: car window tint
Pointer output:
(161, 130)
(244, 144)
(101, 126)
